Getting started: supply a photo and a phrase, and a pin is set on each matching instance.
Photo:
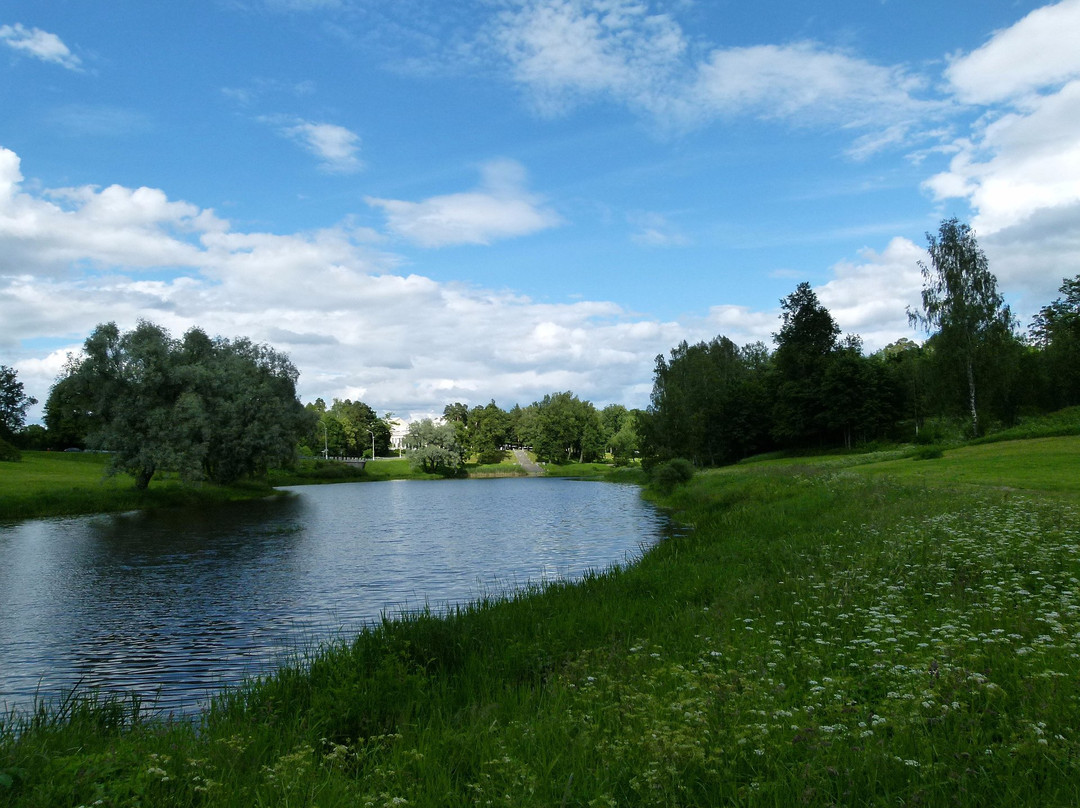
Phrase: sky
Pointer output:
(428, 202)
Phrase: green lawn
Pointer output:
(66, 483)
(38, 471)
(1040, 464)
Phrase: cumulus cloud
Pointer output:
(52, 232)
(1022, 162)
(39, 44)
(870, 297)
(75, 257)
(1019, 167)
(500, 208)
(1037, 52)
(336, 147)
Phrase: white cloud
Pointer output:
(804, 82)
(501, 208)
(76, 257)
(1022, 162)
(1037, 52)
(335, 146)
(40, 44)
(51, 232)
(1019, 166)
(567, 51)
(871, 297)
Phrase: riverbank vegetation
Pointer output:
(850, 630)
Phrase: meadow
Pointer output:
(870, 630)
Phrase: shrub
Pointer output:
(927, 453)
(671, 473)
(9, 452)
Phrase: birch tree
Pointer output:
(961, 302)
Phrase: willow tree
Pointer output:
(960, 300)
(209, 409)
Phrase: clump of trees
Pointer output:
(559, 428)
(346, 429)
(715, 402)
(435, 448)
(209, 409)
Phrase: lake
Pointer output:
(174, 605)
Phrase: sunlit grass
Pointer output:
(1041, 464)
(65, 483)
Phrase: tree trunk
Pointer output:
(971, 400)
(142, 478)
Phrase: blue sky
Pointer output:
(431, 202)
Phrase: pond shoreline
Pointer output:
(56, 484)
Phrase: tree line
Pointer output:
(716, 402)
(220, 410)
(559, 428)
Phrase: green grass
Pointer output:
(65, 483)
(597, 471)
(824, 635)
(1037, 465)
(1051, 425)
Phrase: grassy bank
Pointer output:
(823, 635)
(66, 483)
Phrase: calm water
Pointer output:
(175, 605)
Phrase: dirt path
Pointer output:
(523, 459)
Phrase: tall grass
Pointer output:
(817, 636)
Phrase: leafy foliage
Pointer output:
(561, 427)
(1056, 329)
(209, 409)
(13, 403)
(434, 448)
(672, 473)
(960, 300)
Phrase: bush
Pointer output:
(9, 452)
(672, 473)
(927, 453)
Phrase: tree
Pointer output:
(806, 341)
(434, 448)
(1056, 330)
(561, 426)
(209, 409)
(624, 443)
(361, 428)
(458, 415)
(488, 431)
(707, 404)
(961, 301)
(13, 403)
